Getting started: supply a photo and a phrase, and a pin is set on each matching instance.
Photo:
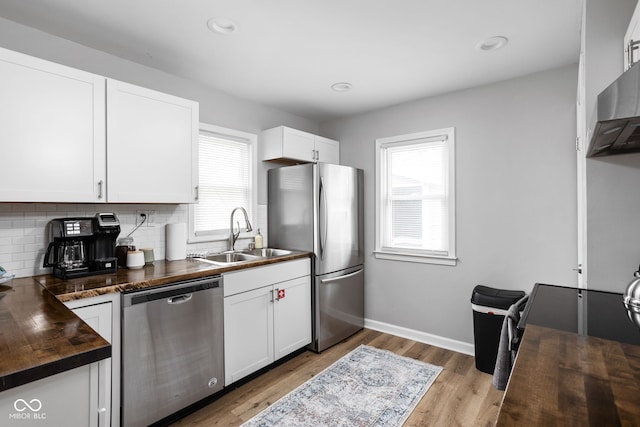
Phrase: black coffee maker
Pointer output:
(83, 246)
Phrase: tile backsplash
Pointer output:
(24, 232)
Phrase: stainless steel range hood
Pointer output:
(617, 119)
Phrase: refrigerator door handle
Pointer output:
(323, 281)
(323, 209)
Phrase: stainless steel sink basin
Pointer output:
(269, 252)
(236, 257)
(229, 258)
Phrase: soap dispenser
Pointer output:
(258, 240)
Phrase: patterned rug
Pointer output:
(367, 387)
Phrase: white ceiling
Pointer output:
(287, 53)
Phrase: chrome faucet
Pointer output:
(234, 236)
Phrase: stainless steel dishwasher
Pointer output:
(172, 348)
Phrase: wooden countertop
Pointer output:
(40, 336)
(159, 273)
(562, 378)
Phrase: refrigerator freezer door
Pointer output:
(340, 226)
(339, 307)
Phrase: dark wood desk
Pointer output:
(563, 378)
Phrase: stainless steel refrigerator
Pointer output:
(319, 208)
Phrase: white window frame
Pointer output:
(407, 254)
(252, 140)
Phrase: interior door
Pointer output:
(581, 166)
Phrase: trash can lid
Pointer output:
(492, 297)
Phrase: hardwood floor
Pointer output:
(461, 396)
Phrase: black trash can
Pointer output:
(489, 306)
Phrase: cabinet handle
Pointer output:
(277, 292)
(100, 189)
(271, 295)
(197, 192)
(633, 46)
(102, 410)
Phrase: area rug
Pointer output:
(367, 387)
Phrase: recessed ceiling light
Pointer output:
(492, 43)
(222, 26)
(341, 87)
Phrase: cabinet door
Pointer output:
(292, 315)
(632, 40)
(297, 145)
(327, 150)
(248, 333)
(64, 399)
(99, 318)
(52, 132)
(152, 140)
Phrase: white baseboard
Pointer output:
(423, 337)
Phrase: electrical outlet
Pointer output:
(151, 219)
(140, 217)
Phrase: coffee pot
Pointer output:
(83, 246)
(72, 255)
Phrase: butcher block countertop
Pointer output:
(562, 379)
(40, 336)
(158, 274)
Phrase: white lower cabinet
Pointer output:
(67, 399)
(267, 315)
(101, 313)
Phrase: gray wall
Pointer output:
(516, 197)
(613, 198)
(216, 107)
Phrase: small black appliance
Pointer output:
(83, 246)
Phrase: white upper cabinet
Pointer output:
(327, 150)
(71, 136)
(52, 132)
(284, 143)
(152, 148)
(632, 40)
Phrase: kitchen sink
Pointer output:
(269, 252)
(236, 257)
(229, 258)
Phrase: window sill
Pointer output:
(424, 259)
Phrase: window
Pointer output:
(226, 180)
(415, 199)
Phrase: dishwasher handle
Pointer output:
(175, 293)
(180, 299)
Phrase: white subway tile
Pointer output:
(11, 232)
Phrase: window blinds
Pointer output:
(224, 182)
